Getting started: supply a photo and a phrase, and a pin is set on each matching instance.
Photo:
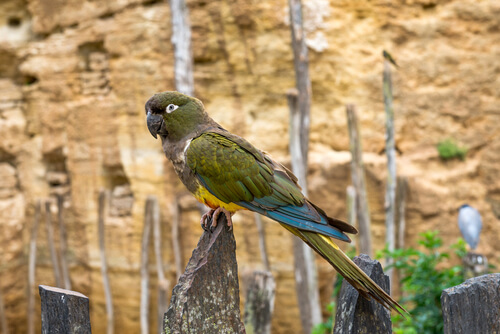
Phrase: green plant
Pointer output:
(423, 278)
(448, 150)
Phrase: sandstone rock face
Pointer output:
(74, 77)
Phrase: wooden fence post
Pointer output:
(355, 314)
(51, 244)
(63, 241)
(104, 264)
(64, 311)
(473, 306)
(259, 303)
(211, 276)
(32, 268)
(358, 181)
(390, 151)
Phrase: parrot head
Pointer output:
(174, 115)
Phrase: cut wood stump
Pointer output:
(64, 311)
(357, 315)
(259, 303)
(473, 306)
(207, 298)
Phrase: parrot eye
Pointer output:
(171, 107)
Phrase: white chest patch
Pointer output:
(183, 156)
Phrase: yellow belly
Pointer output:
(205, 197)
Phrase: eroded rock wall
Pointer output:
(74, 77)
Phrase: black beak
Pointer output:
(155, 124)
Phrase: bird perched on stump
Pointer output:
(228, 174)
(470, 224)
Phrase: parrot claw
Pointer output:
(213, 215)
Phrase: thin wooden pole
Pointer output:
(176, 222)
(306, 276)
(358, 181)
(51, 244)
(351, 209)
(390, 193)
(262, 241)
(402, 187)
(301, 65)
(104, 264)
(163, 284)
(32, 268)
(63, 243)
(3, 318)
(146, 232)
(181, 39)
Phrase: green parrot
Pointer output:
(227, 173)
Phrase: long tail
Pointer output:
(349, 270)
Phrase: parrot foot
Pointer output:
(213, 215)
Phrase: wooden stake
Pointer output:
(32, 268)
(63, 242)
(259, 303)
(390, 193)
(306, 276)
(358, 181)
(163, 284)
(146, 232)
(181, 39)
(401, 189)
(262, 241)
(51, 244)
(104, 264)
(176, 222)
(3, 318)
(351, 210)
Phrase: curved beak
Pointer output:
(155, 124)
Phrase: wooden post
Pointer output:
(390, 193)
(146, 232)
(104, 264)
(306, 276)
(64, 311)
(51, 244)
(32, 268)
(351, 210)
(358, 181)
(262, 241)
(259, 303)
(181, 39)
(355, 314)
(206, 298)
(3, 318)
(401, 189)
(473, 306)
(176, 222)
(63, 243)
(163, 284)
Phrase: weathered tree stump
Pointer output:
(206, 299)
(64, 311)
(259, 303)
(355, 314)
(473, 306)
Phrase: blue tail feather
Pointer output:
(295, 216)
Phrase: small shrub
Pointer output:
(448, 150)
(423, 279)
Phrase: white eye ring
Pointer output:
(171, 107)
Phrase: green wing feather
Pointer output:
(235, 171)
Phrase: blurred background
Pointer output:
(74, 78)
